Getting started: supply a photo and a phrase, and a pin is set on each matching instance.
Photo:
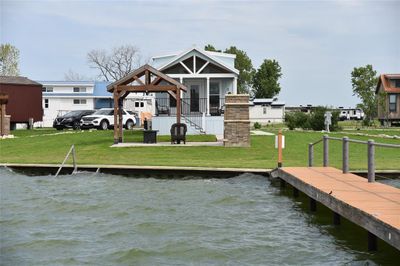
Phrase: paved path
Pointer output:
(374, 206)
(261, 133)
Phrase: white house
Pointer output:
(60, 97)
(209, 76)
(266, 111)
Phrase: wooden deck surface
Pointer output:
(374, 206)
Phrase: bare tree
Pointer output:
(116, 64)
(74, 76)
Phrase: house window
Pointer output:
(79, 89)
(46, 103)
(139, 104)
(47, 89)
(264, 110)
(214, 95)
(397, 83)
(79, 101)
(392, 103)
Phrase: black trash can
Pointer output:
(150, 136)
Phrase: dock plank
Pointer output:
(373, 206)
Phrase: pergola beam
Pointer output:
(146, 88)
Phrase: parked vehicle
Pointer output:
(103, 119)
(71, 119)
(351, 114)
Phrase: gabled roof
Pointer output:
(384, 80)
(17, 80)
(135, 74)
(212, 56)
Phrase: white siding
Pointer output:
(274, 114)
(61, 106)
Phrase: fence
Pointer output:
(345, 153)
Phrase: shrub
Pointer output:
(296, 120)
(314, 121)
(257, 125)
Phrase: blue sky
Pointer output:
(317, 43)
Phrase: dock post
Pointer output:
(336, 218)
(371, 161)
(326, 150)
(310, 154)
(345, 159)
(313, 205)
(372, 242)
(295, 192)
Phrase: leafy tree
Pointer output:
(245, 67)
(210, 47)
(364, 81)
(116, 64)
(9, 56)
(266, 79)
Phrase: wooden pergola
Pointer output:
(145, 79)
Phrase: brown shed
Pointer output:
(24, 98)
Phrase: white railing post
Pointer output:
(203, 121)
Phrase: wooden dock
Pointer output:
(373, 206)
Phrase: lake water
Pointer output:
(100, 219)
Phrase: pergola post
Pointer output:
(115, 115)
(178, 105)
(120, 120)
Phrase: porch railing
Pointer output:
(345, 153)
(192, 110)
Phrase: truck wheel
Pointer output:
(129, 124)
(103, 125)
(76, 125)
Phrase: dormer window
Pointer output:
(79, 89)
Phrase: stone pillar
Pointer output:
(236, 121)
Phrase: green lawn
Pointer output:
(46, 146)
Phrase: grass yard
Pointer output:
(93, 147)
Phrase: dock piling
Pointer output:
(313, 205)
(336, 218)
(295, 192)
(372, 242)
